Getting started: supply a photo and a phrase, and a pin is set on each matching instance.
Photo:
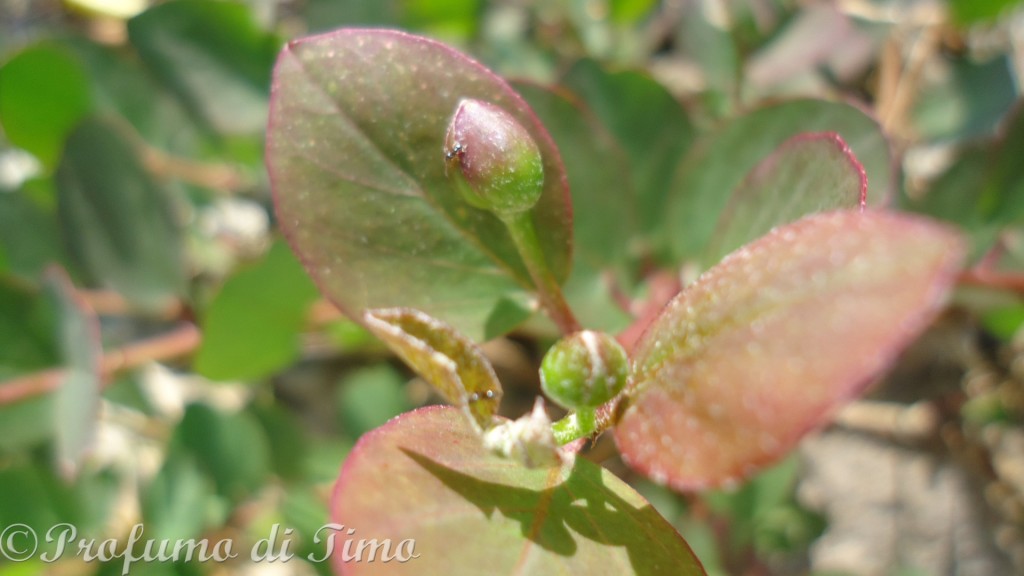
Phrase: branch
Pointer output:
(178, 342)
(214, 176)
(979, 276)
(916, 422)
(111, 303)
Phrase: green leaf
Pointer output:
(304, 509)
(28, 230)
(426, 476)
(629, 11)
(286, 439)
(447, 360)
(649, 124)
(973, 11)
(28, 342)
(969, 102)
(173, 502)
(1004, 322)
(26, 424)
(369, 397)
(213, 55)
(44, 92)
(454, 19)
(117, 222)
(325, 15)
(77, 400)
(1005, 186)
(252, 327)
(718, 162)
(960, 196)
(355, 140)
(122, 86)
(28, 331)
(35, 497)
(981, 190)
(756, 507)
(230, 447)
(808, 173)
(764, 346)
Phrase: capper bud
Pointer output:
(584, 370)
(495, 162)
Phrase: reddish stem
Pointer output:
(979, 276)
(618, 295)
(178, 342)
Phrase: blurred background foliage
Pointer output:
(164, 359)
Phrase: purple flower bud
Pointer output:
(493, 159)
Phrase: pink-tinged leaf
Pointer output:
(355, 151)
(764, 346)
(449, 361)
(426, 477)
(719, 161)
(807, 174)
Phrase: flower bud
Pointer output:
(494, 160)
(528, 439)
(584, 370)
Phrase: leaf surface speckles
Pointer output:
(808, 173)
(355, 154)
(426, 476)
(764, 346)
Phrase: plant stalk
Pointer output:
(181, 341)
(520, 226)
(587, 423)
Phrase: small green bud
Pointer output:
(584, 370)
(495, 161)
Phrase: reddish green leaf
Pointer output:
(427, 477)
(808, 173)
(765, 345)
(355, 154)
(718, 162)
(449, 361)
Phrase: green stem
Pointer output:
(587, 422)
(520, 226)
(579, 424)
